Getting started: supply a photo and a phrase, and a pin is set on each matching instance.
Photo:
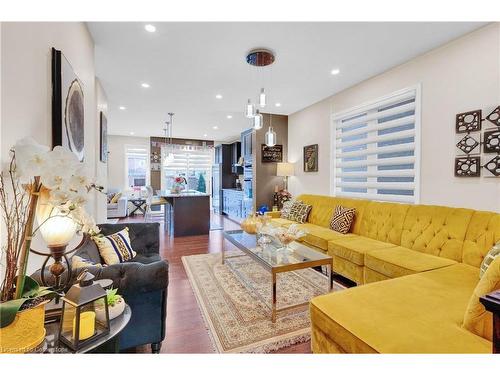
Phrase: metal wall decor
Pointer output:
(470, 145)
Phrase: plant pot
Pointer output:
(26, 332)
(114, 311)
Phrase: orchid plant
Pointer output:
(36, 172)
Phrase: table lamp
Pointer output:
(284, 170)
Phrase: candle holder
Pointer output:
(79, 324)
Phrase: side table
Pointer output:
(106, 344)
(491, 303)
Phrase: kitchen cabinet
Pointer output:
(233, 203)
(235, 158)
(246, 145)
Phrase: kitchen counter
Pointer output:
(188, 193)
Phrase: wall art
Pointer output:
(103, 138)
(67, 106)
(469, 166)
(311, 158)
(491, 141)
(468, 121)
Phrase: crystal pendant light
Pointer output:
(262, 98)
(250, 109)
(270, 137)
(258, 120)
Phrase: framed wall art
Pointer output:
(67, 106)
(103, 138)
(272, 154)
(311, 158)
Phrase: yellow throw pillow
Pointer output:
(116, 247)
(477, 319)
(116, 197)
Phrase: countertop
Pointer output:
(184, 194)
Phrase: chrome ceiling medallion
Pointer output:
(260, 57)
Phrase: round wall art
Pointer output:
(73, 119)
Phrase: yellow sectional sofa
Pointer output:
(420, 265)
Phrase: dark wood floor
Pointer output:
(186, 331)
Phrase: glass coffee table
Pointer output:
(275, 258)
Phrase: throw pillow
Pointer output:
(342, 219)
(476, 318)
(116, 197)
(285, 210)
(299, 212)
(489, 258)
(116, 247)
(79, 262)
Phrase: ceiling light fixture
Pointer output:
(218, 96)
(150, 28)
(278, 104)
(205, 135)
(229, 117)
(122, 108)
(262, 98)
(215, 127)
(169, 147)
(270, 137)
(145, 85)
(258, 120)
(335, 71)
(131, 133)
(249, 109)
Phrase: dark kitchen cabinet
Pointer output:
(235, 158)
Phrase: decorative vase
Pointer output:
(26, 332)
(114, 311)
(250, 224)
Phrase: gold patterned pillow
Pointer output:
(285, 210)
(299, 212)
(342, 219)
(116, 247)
(489, 258)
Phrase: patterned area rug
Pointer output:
(235, 300)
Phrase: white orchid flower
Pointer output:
(31, 158)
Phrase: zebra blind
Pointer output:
(376, 149)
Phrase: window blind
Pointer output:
(376, 149)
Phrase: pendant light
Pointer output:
(262, 98)
(270, 137)
(169, 152)
(258, 120)
(250, 109)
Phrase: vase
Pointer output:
(26, 332)
(114, 311)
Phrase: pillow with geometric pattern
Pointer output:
(285, 210)
(299, 212)
(115, 248)
(489, 258)
(342, 219)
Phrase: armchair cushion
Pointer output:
(115, 248)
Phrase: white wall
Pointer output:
(117, 175)
(460, 76)
(26, 88)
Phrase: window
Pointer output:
(375, 149)
(194, 163)
(137, 166)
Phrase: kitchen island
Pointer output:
(189, 213)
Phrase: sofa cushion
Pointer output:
(489, 258)
(115, 248)
(299, 212)
(354, 248)
(318, 236)
(436, 230)
(287, 207)
(399, 261)
(476, 318)
(482, 233)
(342, 219)
(279, 222)
(420, 313)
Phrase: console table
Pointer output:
(492, 304)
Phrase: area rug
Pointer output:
(235, 300)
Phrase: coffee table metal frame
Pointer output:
(274, 270)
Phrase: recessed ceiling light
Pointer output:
(122, 108)
(229, 116)
(205, 135)
(278, 104)
(131, 133)
(145, 85)
(150, 28)
(218, 96)
(335, 71)
(215, 127)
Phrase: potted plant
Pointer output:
(59, 178)
(116, 305)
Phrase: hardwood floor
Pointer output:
(186, 332)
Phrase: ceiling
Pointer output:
(187, 64)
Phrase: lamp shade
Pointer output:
(57, 229)
(284, 169)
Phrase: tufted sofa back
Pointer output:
(436, 230)
(482, 233)
(383, 221)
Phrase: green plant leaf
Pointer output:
(8, 311)
(31, 287)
